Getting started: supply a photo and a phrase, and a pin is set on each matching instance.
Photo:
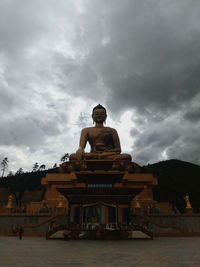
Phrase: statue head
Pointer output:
(98, 107)
(99, 113)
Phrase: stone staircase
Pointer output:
(138, 232)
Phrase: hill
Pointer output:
(28, 181)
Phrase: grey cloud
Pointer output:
(29, 132)
(186, 148)
(193, 114)
(83, 120)
(150, 61)
(171, 138)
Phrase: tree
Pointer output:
(19, 171)
(64, 157)
(35, 167)
(42, 167)
(4, 165)
(10, 174)
(55, 165)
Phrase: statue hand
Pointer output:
(80, 153)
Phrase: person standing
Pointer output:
(20, 232)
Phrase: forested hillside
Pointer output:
(19, 183)
(176, 179)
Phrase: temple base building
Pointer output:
(100, 186)
(99, 194)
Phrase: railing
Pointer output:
(54, 230)
(33, 213)
(35, 225)
(25, 214)
(143, 229)
(161, 225)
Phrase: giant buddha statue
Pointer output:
(104, 141)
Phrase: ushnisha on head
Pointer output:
(99, 114)
(98, 107)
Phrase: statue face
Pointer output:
(99, 115)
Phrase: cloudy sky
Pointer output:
(139, 58)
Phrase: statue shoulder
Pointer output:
(111, 129)
(86, 130)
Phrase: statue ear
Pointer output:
(105, 119)
(92, 118)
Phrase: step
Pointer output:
(58, 234)
(136, 234)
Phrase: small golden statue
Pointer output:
(9, 205)
(187, 201)
(137, 205)
(60, 203)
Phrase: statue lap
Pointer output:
(97, 156)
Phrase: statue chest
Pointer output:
(100, 136)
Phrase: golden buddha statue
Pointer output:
(104, 141)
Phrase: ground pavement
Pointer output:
(160, 252)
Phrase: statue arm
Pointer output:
(116, 142)
(82, 144)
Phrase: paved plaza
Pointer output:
(160, 252)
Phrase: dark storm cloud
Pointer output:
(144, 54)
(173, 137)
(151, 60)
(193, 114)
